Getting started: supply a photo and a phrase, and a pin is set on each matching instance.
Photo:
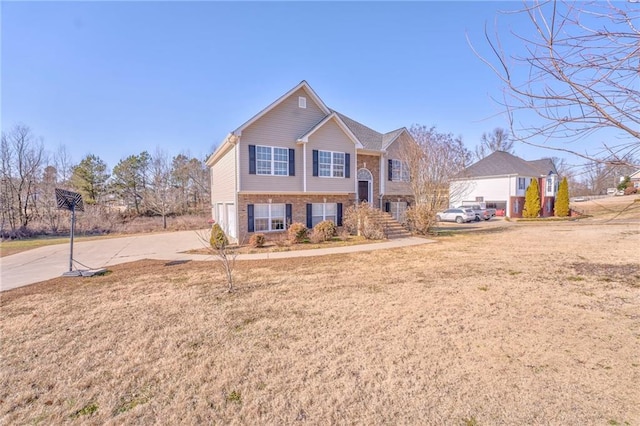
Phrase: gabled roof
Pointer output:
(501, 163)
(302, 85)
(635, 175)
(365, 137)
(369, 138)
(333, 116)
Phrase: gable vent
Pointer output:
(302, 102)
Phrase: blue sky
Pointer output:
(117, 78)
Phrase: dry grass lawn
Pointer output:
(533, 324)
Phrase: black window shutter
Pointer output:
(347, 165)
(289, 214)
(387, 207)
(315, 162)
(250, 217)
(292, 162)
(390, 170)
(339, 218)
(252, 160)
(309, 213)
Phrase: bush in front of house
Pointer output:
(297, 233)
(630, 190)
(257, 240)
(420, 218)
(361, 220)
(218, 239)
(562, 199)
(532, 200)
(323, 231)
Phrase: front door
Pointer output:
(363, 191)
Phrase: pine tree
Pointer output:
(562, 199)
(532, 200)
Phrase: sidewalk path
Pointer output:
(48, 262)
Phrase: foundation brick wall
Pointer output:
(298, 206)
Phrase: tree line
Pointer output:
(141, 184)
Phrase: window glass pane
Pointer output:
(280, 154)
(261, 210)
(280, 168)
(395, 170)
(277, 210)
(261, 224)
(405, 172)
(263, 153)
(277, 224)
(315, 220)
(338, 164)
(316, 209)
(330, 209)
(325, 170)
(263, 167)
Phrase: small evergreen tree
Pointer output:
(218, 239)
(562, 199)
(532, 200)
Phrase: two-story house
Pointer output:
(299, 161)
(501, 179)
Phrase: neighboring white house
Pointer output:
(501, 179)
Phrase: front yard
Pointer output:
(539, 327)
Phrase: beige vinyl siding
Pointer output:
(394, 153)
(223, 178)
(330, 137)
(280, 127)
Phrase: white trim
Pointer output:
(272, 161)
(333, 164)
(369, 185)
(382, 175)
(304, 167)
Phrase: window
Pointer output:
(549, 185)
(269, 217)
(324, 211)
(331, 164)
(522, 183)
(302, 102)
(272, 161)
(399, 171)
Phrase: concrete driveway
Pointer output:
(48, 262)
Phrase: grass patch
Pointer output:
(87, 410)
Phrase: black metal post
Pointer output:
(73, 226)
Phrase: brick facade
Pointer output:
(298, 206)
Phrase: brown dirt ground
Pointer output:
(531, 324)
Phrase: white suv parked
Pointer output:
(459, 215)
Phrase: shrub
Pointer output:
(297, 232)
(562, 199)
(257, 240)
(218, 239)
(532, 200)
(324, 231)
(361, 220)
(630, 190)
(420, 218)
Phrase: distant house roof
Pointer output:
(635, 175)
(503, 163)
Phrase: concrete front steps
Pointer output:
(392, 228)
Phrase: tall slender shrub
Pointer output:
(532, 200)
(562, 199)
